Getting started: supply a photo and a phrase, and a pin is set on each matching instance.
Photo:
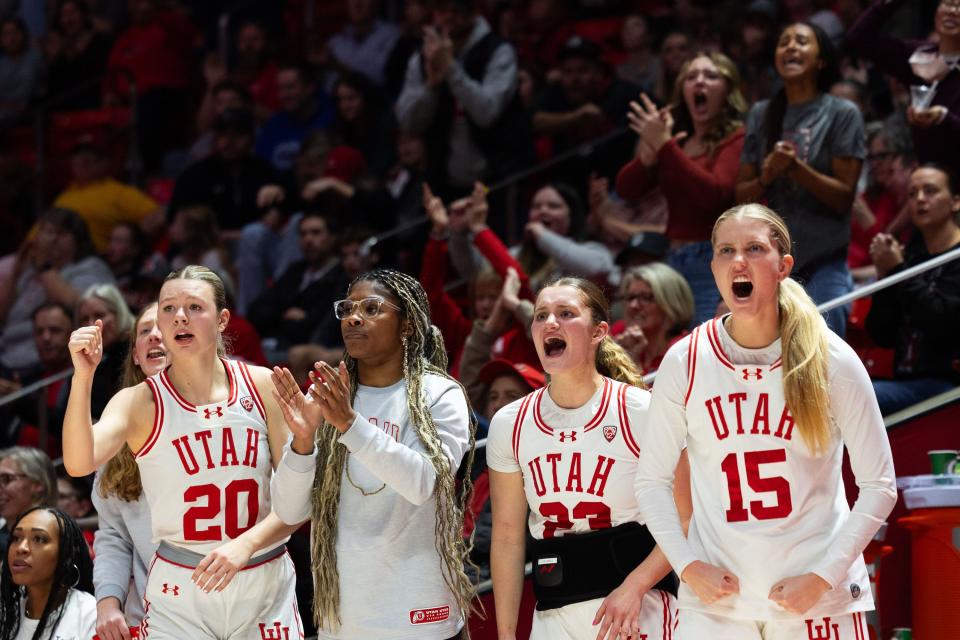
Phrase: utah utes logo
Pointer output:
(247, 403)
(175, 589)
(217, 411)
(832, 631)
(568, 435)
(609, 432)
(755, 374)
(274, 632)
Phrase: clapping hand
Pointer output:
(926, 118)
(654, 126)
(331, 388)
(886, 253)
(778, 161)
(435, 210)
(301, 412)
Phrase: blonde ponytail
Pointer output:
(614, 362)
(803, 336)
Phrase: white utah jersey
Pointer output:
(764, 507)
(206, 469)
(578, 464)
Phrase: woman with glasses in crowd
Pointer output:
(658, 306)
(374, 458)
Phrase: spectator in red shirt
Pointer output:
(255, 68)
(692, 152)
(156, 52)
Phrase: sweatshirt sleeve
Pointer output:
(291, 486)
(661, 443)
(492, 248)
(113, 549)
(588, 259)
(634, 180)
(857, 415)
(406, 470)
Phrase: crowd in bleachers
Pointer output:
(275, 142)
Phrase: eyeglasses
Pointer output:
(7, 478)
(882, 155)
(643, 296)
(368, 307)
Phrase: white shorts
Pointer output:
(696, 625)
(259, 604)
(658, 615)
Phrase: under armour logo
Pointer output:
(276, 632)
(218, 411)
(747, 374)
(832, 631)
(547, 568)
(175, 589)
(564, 435)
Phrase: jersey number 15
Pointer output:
(777, 485)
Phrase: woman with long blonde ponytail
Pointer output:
(376, 448)
(765, 398)
(567, 454)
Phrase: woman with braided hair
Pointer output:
(389, 427)
(45, 579)
(566, 454)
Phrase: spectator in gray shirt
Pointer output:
(460, 93)
(365, 43)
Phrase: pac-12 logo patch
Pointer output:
(431, 615)
(247, 403)
(609, 432)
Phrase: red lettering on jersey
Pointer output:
(183, 444)
(720, 429)
(574, 474)
(553, 459)
(832, 631)
(250, 456)
(274, 632)
(761, 415)
(227, 447)
(537, 474)
(204, 438)
(737, 398)
(600, 475)
(786, 420)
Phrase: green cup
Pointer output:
(942, 461)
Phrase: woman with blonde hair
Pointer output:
(658, 307)
(765, 399)
(123, 546)
(691, 150)
(105, 303)
(206, 438)
(566, 454)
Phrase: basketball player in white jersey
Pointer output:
(568, 454)
(206, 436)
(765, 399)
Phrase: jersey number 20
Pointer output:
(231, 521)
(776, 485)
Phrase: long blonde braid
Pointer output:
(423, 353)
